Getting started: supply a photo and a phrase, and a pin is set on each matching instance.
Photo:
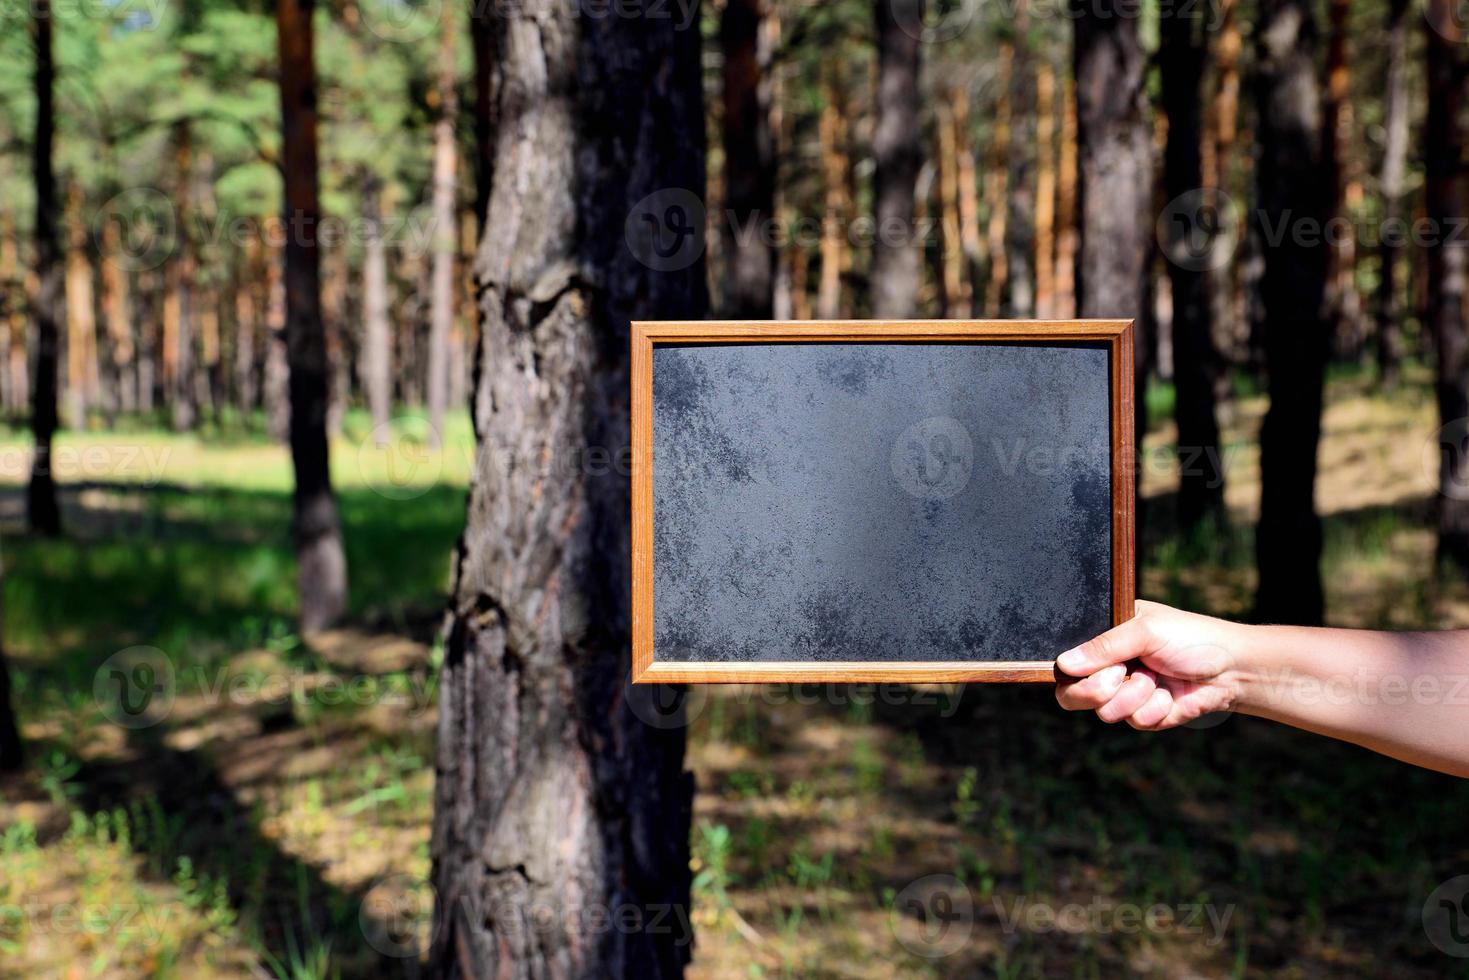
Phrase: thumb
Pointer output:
(1118, 645)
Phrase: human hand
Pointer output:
(1160, 669)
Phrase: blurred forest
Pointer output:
(281, 285)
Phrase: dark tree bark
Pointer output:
(481, 41)
(1394, 166)
(322, 565)
(897, 148)
(1182, 60)
(42, 512)
(1448, 273)
(12, 749)
(376, 368)
(183, 273)
(554, 803)
(446, 235)
(1292, 199)
(1114, 185)
(749, 167)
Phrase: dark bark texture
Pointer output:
(1182, 59)
(42, 512)
(1292, 199)
(897, 149)
(1394, 167)
(322, 565)
(1448, 274)
(12, 750)
(561, 820)
(1114, 185)
(749, 168)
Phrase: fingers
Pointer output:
(1132, 695)
(1153, 712)
(1092, 692)
(1118, 645)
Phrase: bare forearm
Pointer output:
(1402, 694)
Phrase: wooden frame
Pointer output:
(1116, 334)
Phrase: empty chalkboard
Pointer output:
(861, 501)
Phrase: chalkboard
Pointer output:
(849, 501)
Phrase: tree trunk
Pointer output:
(42, 512)
(1045, 191)
(749, 167)
(1296, 331)
(322, 564)
(1114, 192)
(446, 238)
(1444, 202)
(1394, 166)
(833, 136)
(179, 323)
(81, 317)
(12, 749)
(954, 302)
(1182, 58)
(995, 184)
(1019, 228)
(484, 110)
(1231, 331)
(1066, 230)
(561, 821)
(117, 312)
(897, 255)
(376, 367)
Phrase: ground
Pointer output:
(272, 818)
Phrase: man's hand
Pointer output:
(1160, 669)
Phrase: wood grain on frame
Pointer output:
(1117, 334)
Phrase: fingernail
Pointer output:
(1071, 661)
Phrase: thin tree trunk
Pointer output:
(1045, 191)
(1066, 230)
(1296, 331)
(833, 135)
(42, 512)
(749, 167)
(247, 316)
(376, 340)
(1182, 59)
(277, 380)
(1019, 232)
(995, 184)
(1448, 273)
(1114, 177)
(953, 301)
(1231, 331)
(970, 240)
(12, 749)
(552, 794)
(322, 564)
(81, 316)
(897, 256)
(441, 297)
(179, 321)
(1394, 166)
(484, 110)
(117, 310)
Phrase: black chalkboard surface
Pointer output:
(843, 501)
